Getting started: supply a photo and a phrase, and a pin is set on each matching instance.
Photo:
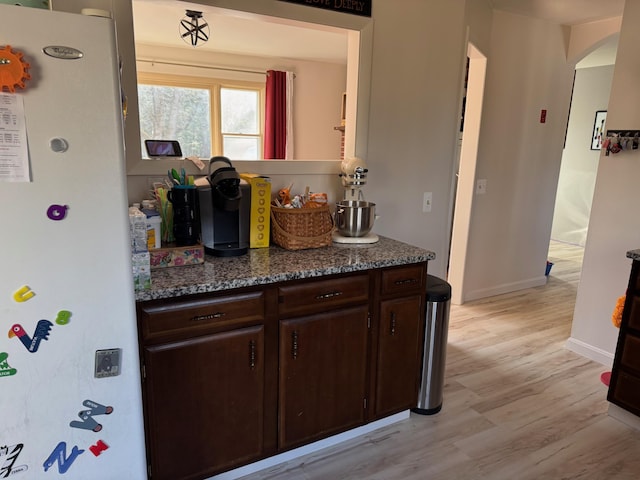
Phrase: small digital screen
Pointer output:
(163, 148)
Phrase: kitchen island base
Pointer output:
(251, 368)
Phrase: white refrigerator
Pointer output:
(70, 395)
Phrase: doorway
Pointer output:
(464, 177)
(580, 158)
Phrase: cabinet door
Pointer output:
(204, 399)
(323, 368)
(399, 355)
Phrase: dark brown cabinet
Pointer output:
(323, 357)
(203, 383)
(400, 333)
(239, 375)
(323, 366)
(399, 354)
(204, 402)
(624, 388)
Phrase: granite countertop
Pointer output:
(274, 264)
(633, 254)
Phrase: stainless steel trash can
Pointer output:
(435, 346)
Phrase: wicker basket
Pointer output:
(300, 228)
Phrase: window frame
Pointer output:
(214, 85)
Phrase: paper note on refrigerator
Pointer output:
(14, 152)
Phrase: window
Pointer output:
(207, 116)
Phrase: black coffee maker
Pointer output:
(225, 210)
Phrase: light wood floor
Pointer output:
(517, 404)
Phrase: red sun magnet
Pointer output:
(13, 69)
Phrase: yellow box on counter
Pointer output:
(260, 209)
(176, 256)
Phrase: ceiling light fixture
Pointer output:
(192, 31)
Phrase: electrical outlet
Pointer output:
(426, 202)
(481, 187)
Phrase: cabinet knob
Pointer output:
(393, 323)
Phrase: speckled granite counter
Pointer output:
(269, 265)
(633, 254)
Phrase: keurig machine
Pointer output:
(225, 209)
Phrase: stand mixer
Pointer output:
(354, 216)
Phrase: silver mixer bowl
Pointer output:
(354, 218)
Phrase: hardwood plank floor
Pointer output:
(517, 404)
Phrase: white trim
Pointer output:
(263, 167)
(505, 288)
(589, 351)
(311, 448)
(463, 178)
(289, 145)
(624, 416)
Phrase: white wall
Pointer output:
(415, 95)
(614, 227)
(518, 156)
(579, 162)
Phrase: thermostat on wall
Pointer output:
(108, 362)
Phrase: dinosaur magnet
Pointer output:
(5, 368)
(57, 212)
(59, 456)
(88, 423)
(23, 294)
(41, 333)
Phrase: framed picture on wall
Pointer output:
(599, 131)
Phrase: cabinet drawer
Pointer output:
(631, 353)
(174, 319)
(319, 295)
(634, 313)
(403, 279)
(626, 392)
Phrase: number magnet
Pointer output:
(64, 317)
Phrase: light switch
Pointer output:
(426, 201)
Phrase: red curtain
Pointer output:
(275, 128)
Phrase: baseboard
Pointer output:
(589, 351)
(311, 448)
(623, 416)
(505, 288)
